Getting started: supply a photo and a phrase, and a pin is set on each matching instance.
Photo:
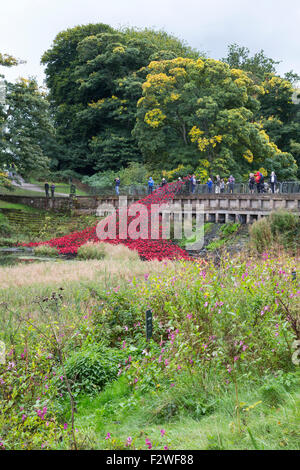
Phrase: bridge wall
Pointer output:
(217, 207)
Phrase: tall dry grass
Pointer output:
(62, 272)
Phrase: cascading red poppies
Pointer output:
(147, 248)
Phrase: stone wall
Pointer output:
(217, 207)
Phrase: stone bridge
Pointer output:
(221, 208)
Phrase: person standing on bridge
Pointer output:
(217, 184)
(47, 189)
(251, 183)
(150, 185)
(209, 185)
(259, 181)
(222, 186)
(193, 182)
(52, 189)
(117, 185)
(231, 181)
(273, 181)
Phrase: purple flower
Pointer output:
(108, 435)
(148, 443)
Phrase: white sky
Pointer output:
(28, 27)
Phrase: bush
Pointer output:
(91, 368)
(228, 229)
(5, 228)
(285, 227)
(281, 227)
(261, 235)
(45, 250)
(120, 252)
(91, 250)
(102, 250)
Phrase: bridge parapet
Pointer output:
(217, 207)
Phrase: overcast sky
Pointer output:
(28, 27)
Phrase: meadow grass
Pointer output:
(122, 413)
(200, 410)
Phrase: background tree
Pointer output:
(94, 77)
(27, 128)
(279, 112)
(201, 112)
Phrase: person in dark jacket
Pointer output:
(251, 183)
(47, 189)
(52, 189)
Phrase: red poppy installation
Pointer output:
(147, 248)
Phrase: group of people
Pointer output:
(256, 180)
(220, 184)
(52, 188)
(151, 184)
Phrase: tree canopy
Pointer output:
(95, 74)
(26, 127)
(202, 113)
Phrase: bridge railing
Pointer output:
(283, 187)
(141, 190)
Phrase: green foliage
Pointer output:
(216, 244)
(5, 228)
(94, 76)
(206, 342)
(7, 60)
(261, 235)
(45, 250)
(259, 65)
(281, 227)
(92, 367)
(201, 112)
(135, 174)
(91, 250)
(28, 128)
(229, 228)
(225, 232)
(272, 394)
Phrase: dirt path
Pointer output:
(34, 187)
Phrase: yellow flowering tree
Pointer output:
(200, 110)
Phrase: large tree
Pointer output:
(27, 127)
(94, 77)
(201, 112)
(278, 111)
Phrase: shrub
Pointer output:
(45, 250)
(285, 227)
(91, 250)
(281, 227)
(120, 252)
(228, 229)
(216, 245)
(91, 368)
(261, 235)
(102, 250)
(5, 228)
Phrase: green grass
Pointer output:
(16, 206)
(122, 413)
